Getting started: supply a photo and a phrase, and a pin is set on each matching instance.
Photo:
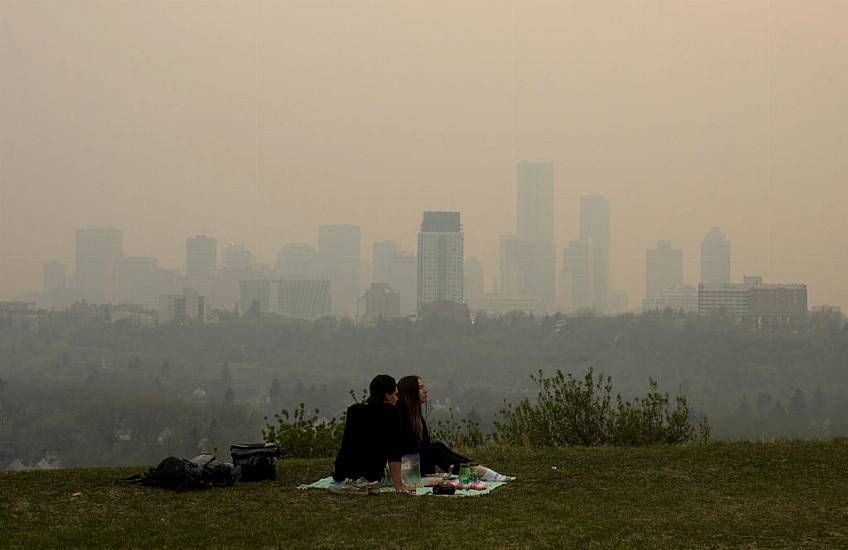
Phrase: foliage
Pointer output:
(570, 412)
(457, 433)
(299, 435)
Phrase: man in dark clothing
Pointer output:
(372, 437)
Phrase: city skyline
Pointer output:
(683, 115)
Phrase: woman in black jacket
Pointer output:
(415, 438)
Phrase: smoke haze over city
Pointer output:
(257, 122)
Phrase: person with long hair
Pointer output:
(371, 438)
(415, 437)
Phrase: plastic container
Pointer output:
(410, 470)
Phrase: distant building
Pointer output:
(595, 228)
(237, 257)
(339, 255)
(715, 258)
(444, 310)
(618, 302)
(298, 262)
(381, 301)
(55, 291)
(441, 259)
(664, 268)
(201, 256)
(765, 305)
(135, 281)
(577, 278)
(678, 298)
(382, 253)
(54, 277)
(97, 252)
(527, 258)
(181, 308)
(304, 299)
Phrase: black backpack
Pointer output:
(180, 474)
(255, 461)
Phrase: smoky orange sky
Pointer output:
(256, 122)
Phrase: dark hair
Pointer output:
(408, 393)
(381, 385)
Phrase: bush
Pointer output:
(457, 433)
(299, 436)
(569, 412)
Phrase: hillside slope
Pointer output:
(781, 494)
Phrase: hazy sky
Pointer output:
(257, 121)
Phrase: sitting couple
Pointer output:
(387, 426)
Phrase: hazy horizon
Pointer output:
(257, 122)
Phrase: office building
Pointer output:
(381, 302)
(182, 308)
(441, 259)
(678, 298)
(715, 258)
(577, 278)
(535, 204)
(381, 255)
(201, 256)
(595, 227)
(237, 258)
(339, 253)
(261, 293)
(297, 261)
(764, 305)
(97, 252)
(307, 299)
(664, 268)
(527, 262)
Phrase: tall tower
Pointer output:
(531, 251)
(715, 258)
(201, 256)
(338, 253)
(578, 276)
(440, 258)
(595, 226)
(97, 252)
(664, 268)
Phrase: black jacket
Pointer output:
(371, 438)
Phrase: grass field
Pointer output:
(750, 495)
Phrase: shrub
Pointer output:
(300, 436)
(457, 433)
(569, 411)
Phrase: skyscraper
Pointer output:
(440, 258)
(536, 201)
(382, 253)
(595, 226)
(399, 268)
(97, 252)
(715, 258)
(578, 276)
(201, 256)
(237, 257)
(338, 252)
(664, 268)
(527, 258)
(297, 262)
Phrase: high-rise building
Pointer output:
(441, 259)
(595, 226)
(715, 258)
(260, 293)
(664, 268)
(764, 305)
(297, 261)
(237, 257)
(536, 200)
(382, 254)
(473, 283)
(678, 298)
(577, 278)
(339, 252)
(531, 251)
(135, 281)
(97, 252)
(201, 256)
(403, 279)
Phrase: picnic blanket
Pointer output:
(328, 481)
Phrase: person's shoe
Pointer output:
(348, 487)
(372, 487)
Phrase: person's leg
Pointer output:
(487, 474)
(442, 456)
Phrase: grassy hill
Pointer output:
(781, 494)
